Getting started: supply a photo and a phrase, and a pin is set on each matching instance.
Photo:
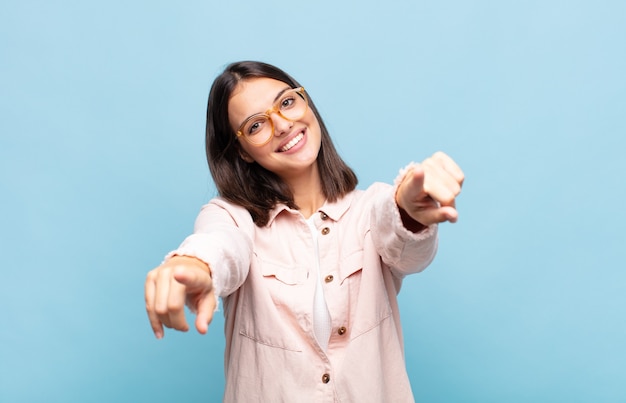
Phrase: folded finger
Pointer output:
(176, 306)
(450, 166)
(149, 293)
(440, 185)
(161, 296)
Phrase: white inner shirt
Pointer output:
(321, 316)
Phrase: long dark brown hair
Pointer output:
(249, 184)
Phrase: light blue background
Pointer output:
(103, 172)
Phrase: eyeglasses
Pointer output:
(258, 129)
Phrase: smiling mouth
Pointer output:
(292, 143)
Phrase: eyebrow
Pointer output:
(281, 93)
(276, 98)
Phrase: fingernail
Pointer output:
(158, 334)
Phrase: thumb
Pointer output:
(194, 278)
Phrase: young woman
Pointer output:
(307, 267)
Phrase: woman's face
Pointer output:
(293, 149)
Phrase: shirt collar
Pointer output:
(333, 210)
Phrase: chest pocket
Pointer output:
(288, 287)
(368, 299)
(273, 300)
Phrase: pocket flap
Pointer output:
(287, 275)
(350, 264)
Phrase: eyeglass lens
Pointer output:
(291, 106)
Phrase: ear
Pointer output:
(245, 156)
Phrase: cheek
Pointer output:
(315, 128)
(244, 152)
(251, 153)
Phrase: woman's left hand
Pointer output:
(428, 191)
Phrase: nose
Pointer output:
(281, 125)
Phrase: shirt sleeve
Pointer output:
(404, 251)
(222, 238)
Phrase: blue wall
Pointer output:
(102, 172)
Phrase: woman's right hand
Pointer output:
(178, 280)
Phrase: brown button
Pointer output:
(325, 231)
(325, 378)
(329, 278)
(323, 215)
(341, 330)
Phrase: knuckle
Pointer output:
(447, 198)
(175, 307)
(445, 201)
(161, 310)
(154, 274)
(456, 190)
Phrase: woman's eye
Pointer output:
(255, 127)
(287, 103)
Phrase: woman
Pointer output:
(308, 268)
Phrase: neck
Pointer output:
(307, 192)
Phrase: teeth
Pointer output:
(293, 142)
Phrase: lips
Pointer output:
(291, 143)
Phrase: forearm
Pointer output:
(403, 243)
(222, 239)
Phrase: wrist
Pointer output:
(409, 222)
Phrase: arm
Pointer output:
(404, 224)
(212, 262)
(222, 239)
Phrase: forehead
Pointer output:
(253, 96)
